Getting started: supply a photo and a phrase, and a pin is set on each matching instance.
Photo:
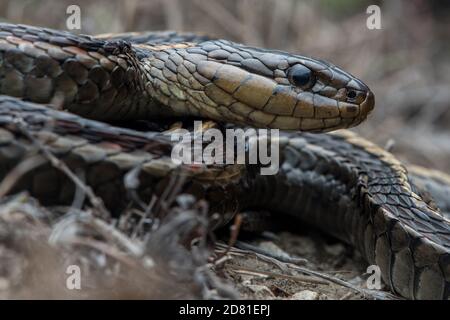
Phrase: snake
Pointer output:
(68, 93)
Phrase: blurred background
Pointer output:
(406, 63)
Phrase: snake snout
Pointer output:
(359, 93)
(368, 104)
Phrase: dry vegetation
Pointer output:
(406, 64)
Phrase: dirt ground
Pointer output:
(259, 277)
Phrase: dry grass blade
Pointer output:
(18, 171)
(281, 258)
(374, 294)
(280, 275)
(95, 201)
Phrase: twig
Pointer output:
(131, 183)
(18, 171)
(285, 259)
(79, 196)
(346, 296)
(95, 201)
(365, 292)
(279, 264)
(286, 266)
(110, 232)
(233, 236)
(170, 192)
(106, 249)
(284, 276)
(144, 217)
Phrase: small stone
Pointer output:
(261, 290)
(305, 295)
(271, 247)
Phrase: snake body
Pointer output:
(338, 182)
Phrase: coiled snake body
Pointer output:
(338, 182)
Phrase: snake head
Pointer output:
(272, 89)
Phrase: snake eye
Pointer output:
(300, 76)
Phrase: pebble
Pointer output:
(305, 295)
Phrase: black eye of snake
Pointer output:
(300, 76)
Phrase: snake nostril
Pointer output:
(351, 94)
